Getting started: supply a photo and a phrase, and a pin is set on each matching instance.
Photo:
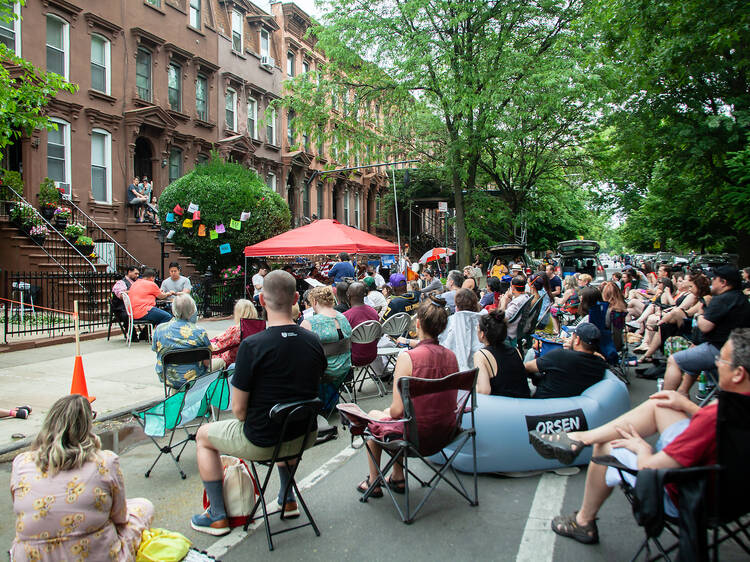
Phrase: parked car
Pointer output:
(664, 258)
(708, 262)
(581, 256)
(509, 253)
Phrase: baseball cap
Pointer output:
(397, 280)
(369, 282)
(588, 333)
(730, 274)
(515, 266)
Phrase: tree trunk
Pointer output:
(463, 244)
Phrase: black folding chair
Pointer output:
(192, 356)
(719, 494)
(423, 437)
(115, 317)
(527, 323)
(291, 417)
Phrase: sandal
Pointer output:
(567, 526)
(398, 486)
(377, 492)
(556, 446)
(27, 408)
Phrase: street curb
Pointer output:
(109, 416)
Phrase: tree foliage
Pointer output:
(223, 190)
(24, 90)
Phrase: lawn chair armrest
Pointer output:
(610, 461)
(357, 420)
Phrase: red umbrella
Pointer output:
(435, 254)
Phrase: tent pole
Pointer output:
(244, 287)
(395, 206)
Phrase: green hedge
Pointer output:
(223, 190)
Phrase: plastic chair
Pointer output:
(191, 402)
(364, 333)
(394, 327)
(420, 436)
(722, 490)
(297, 414)
(132, 322)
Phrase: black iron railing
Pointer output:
(216, 297)
(41, 303)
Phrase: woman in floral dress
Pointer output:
(69, 495)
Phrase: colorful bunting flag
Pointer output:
(213, 235)
(225, 249)
(196, 215)
(244, 216)
(202, 230)
(170, 216)
(192, 208)
(220, 229)
(237, 225)
(187, 223)
(177, 210)
(170, 234)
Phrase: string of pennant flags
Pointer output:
(178, 216)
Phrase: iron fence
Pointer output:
(216, 297)
(42, 302)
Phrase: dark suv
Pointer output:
(581, 256)
(508, 253)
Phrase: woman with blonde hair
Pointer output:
(230, 340)
(69, 495)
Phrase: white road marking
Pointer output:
(223, 544)
(538, 541)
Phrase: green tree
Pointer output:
(223, 190)
(24, 90)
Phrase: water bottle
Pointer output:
(659, 384)
(702, 383)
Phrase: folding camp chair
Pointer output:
(190, 403)
(300, 414)
(364, 333)
(418, 436)
(598, 317)
(718, 495)
(248, 327)
(394, 327)
(527, 323)
(133, 322)
(192, 356)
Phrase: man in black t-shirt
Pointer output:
(568, 372)
(727, 310)
(555, 283)
(282, 364)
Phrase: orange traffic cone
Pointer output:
(78, 386)
(79, 380)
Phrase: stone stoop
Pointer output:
(144, 239)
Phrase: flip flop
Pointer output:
(365, 485)
(556, 446)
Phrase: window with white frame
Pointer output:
(290, 136)
(356, 209)
(346, 208)
(58, 154)
(271, 181)
(290, 64)
(201, 97)
(271, 126)
(143, 74)
(305, 67)
(174, 86)
(100, 64)
(195, 14)
(57, 45)
(265, 43)
(175, 164)
(101, 167)
(10, 31)
(230, 109)
(252, 118)
(237, 37)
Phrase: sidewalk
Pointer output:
(119, 378)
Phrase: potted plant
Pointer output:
(73, 231)
(38, 233)
(61, 217)
(22, 215)
(85, 245)
(49, 198)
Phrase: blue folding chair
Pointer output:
(598, 317)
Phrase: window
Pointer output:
(58, 154)
(319, 194)
(306, 141)
(356, 209)
(305, 67)
(377, 209)
(201, 97)
(101, 157)
(230, 106)
(143, 74)
(377, 115)
(306, 201)
(271, 181)
(290, 64)
(290, 128)
(271, 126)
(321, 147)
(237, 31)
(156, 3)
(175, 164)
(195, 14)
(57, 45)
(99, 64)
(10, 31)
(265, 50)
(252, 118)
(174, 86)
(346, 207)
(202, 158)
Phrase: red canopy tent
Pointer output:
(324, 236)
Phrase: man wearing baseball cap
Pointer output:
(401, 301)
(568, 372)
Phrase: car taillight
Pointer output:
(600, 268)
(558, 270)
(528, 271)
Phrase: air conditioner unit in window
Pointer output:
(267, 61)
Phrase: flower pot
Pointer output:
(47, 212)
(39, 239)
(85, 249)
(60, 223)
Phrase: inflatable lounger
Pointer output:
(503, 425)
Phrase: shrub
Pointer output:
(24, 213)
(10, 179)
(223, 190)
(49, 196)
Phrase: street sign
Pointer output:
(443, 206)
(657, 245)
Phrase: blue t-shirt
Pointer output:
(555, 282)
(340, 270)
